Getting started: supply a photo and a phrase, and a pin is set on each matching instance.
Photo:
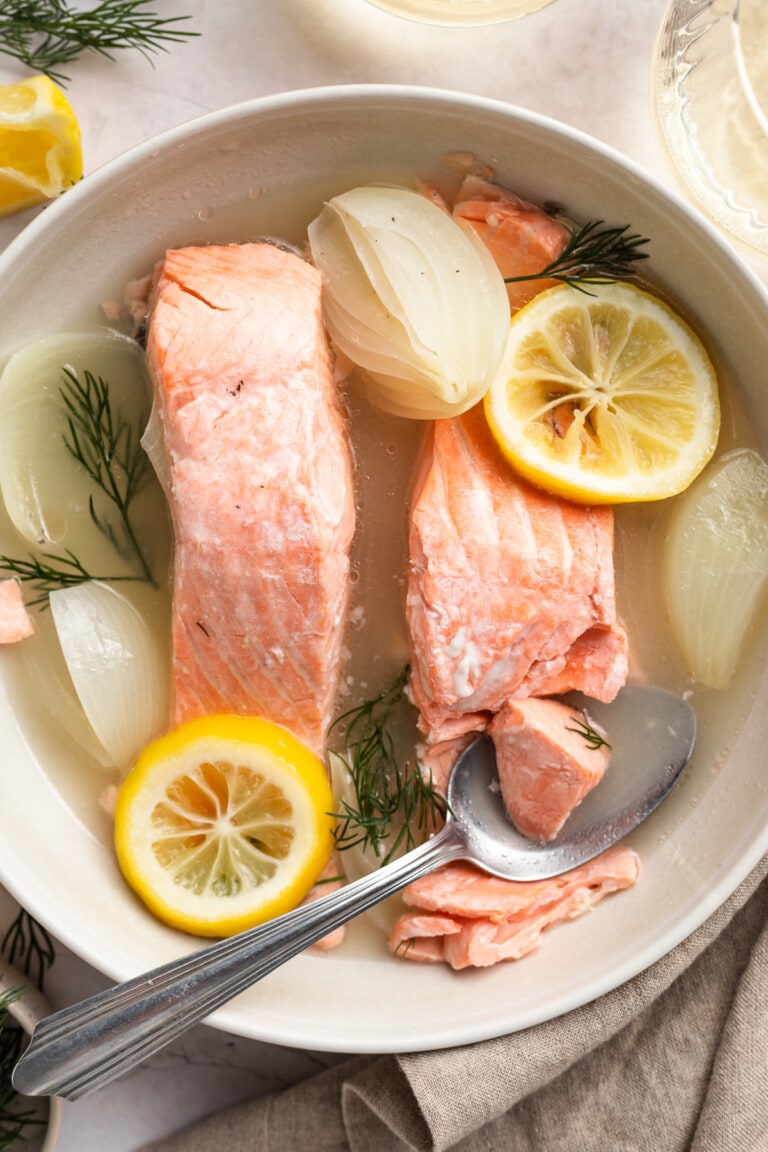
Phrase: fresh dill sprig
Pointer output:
(395, 805)
(593, 255)
(405, 946)
(15, 1118)
(103, 443)
(28, 947)
(51, 571)
(591, 737)
(44, 34)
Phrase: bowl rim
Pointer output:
(343, 96)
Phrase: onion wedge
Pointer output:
(412, 297)
(716, 568)
(43, 488)
(118, 659)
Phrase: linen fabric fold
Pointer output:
(675, 1060)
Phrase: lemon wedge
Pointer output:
(40, 149)
(604, 398)
(224, 823)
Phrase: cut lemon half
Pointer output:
(223, 824)
(604, 398)
(40, 149)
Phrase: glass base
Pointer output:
(448, 12)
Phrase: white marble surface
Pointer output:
(585, 62)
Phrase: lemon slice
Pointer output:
(604, 398)
(223, 824)
(40, 151)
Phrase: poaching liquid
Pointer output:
(386, 449)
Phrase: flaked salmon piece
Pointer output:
(483, 943)
(422, 949)
(600, 656)
(477, 934)
(461, 889)
(260, 484)
(330, 880)
(503, 581)
(545, 765)
(436, 761)
(15, 621)
(434, 194)
(419, 936)
(521, 238)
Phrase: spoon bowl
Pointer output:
(652, 733)
(82, 1048)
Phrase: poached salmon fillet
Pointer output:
(510, 599)
(510, 591)
(259, 483)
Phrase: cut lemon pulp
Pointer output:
(223, 824)
(604, 398)
(40, 151)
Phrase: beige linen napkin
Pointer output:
(676, 1059)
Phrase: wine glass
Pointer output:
(710, 91)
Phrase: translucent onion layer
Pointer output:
(44, 489)
(716, 567)
(119, 662)
(47, 675)
(153, 443)
(412, 297)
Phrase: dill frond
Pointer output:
(395, 805)
(591, 737)
(593, 255)
(50, 571)
(105, 445)
(28, 946)
(44, 34)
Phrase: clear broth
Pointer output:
(385, 451)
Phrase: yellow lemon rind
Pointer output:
(37, 119)
(301, 774)
(588, 485)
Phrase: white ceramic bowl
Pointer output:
(263, 167)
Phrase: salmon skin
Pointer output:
(260, 484)
(510, 590)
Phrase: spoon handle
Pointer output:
(81, 1048)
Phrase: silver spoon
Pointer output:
(79, 1049)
